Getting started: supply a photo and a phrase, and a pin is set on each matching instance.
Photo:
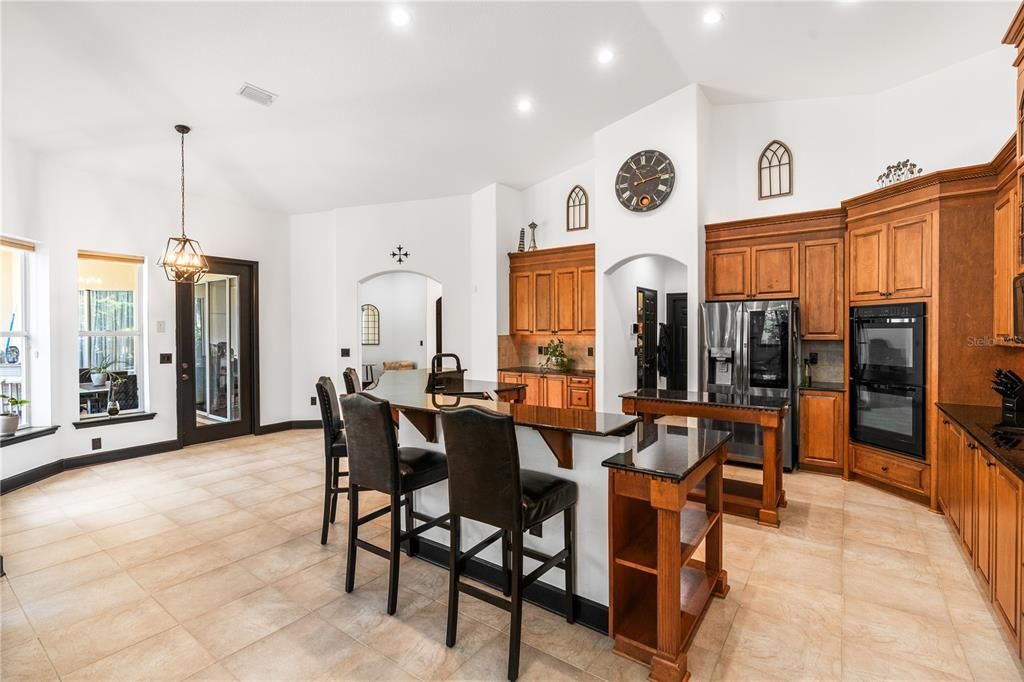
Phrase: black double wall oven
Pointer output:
(887, 377)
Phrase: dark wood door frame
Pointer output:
(647, 340)
(678, 366)
(184, 294)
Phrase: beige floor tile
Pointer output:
(238, 624)
(576, 645)
(610, 666)
(714, 629)
(360, 613)
(45, 535)
(226, 524)
(700, 663)
(989, 656)
(66, 608)
(286, 505)
(207, 591)
(892, 561)
(281, 472)
(179, 567)
(44, 516)
(87, 641)
(491, 663)
(862, 664)
(14, 628)
(969, 610)
(131, 531)
(26, 662)
(153, 547)
(194, 513)
(895, 633)
(816, 567)
(52, 554)
(309, 520)
(213, 673)
(322, 583)
(253, 497)
(818, 611)
(924, 599)
(171, 655)
(303, 482)
(47, 582)
(252, 541)
(304, 650)
(233, 485)
(112, 517)
(363, 664)
(293, 556)
(783, 648)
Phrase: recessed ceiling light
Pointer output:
(257, 94)
(712, 16)
(605, 56)
(524, 105)
(400, 17)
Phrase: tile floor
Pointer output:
(205, 564)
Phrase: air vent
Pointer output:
(258, 95)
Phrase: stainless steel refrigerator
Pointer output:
(750, 354)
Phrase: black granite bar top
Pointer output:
(534, 369)
(406, 390)
(979, 421)
(754, 402)
(824, 386)
(670, 452)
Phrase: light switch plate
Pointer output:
(161, 327)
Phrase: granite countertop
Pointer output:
(534, 369)
(407, 390)
(670, 452)
(825, 386)
(754, 402)
(979, 421)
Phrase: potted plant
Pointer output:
(8, 417)
(98, 372)
(556, 356)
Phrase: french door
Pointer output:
(217, 338)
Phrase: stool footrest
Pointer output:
(441, 521)
(551, 562)
(369, 547)
(373, 515)
(463, 557)
(493, 599)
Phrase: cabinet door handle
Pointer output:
(990, 464)
(885, 468)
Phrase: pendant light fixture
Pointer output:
(183, 259)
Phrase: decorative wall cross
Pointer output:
(400, 254)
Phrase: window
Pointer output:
(370, 325)
(14, 352)
(110, 357)
(576, 210)
(775, 171)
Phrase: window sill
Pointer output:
(28, 433)
(105, 421)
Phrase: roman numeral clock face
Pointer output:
(645, 181)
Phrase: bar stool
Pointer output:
(352, 382)
(485, 484)
(334, 449)
(377, 463)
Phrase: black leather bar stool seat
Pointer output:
(335, 447)
(485, 484)
(377, 463)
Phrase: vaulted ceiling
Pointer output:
(371, 113)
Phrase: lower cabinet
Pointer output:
(894, 470)
(1006, 549)
(984, 480)
(554, 390)
(822, 429)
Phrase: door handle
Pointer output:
(184, 377)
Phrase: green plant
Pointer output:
(10, 402)
(556, 356)
(102, 367)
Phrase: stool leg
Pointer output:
(328, 498)
(353, 531)
(408, 524)
(396, 551)
(505, 549)
(516, 629)
(334, 487)
(453, 579)
(570, 562)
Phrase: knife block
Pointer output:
(1013, 411)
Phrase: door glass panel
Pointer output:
(885, 412)
(887, 346)
(769, 348)
(217, 331)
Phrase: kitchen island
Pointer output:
(758, 501)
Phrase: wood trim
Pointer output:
(559, 256)
(12, 243)
(785, 225)
(1015, 31)
(113, 257)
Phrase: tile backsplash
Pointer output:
(521, 349)
(830, 360)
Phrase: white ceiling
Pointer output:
(371, 114)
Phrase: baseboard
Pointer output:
(40, 473)
(277, 427)
(588, 612)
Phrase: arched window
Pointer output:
(775, 171)
(576, 212)
(370, 325)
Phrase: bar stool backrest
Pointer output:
(327, 396)
(353, 384)
(372, 445)
(483, 467)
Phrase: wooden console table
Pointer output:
(658, 592)
(743, 498)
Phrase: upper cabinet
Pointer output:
(822, 309)
(1004, 240)
(769, 271)
(552, 291)
(728, 274)
(891, 260)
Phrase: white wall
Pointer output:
(406, 318)
(960, 115)
(69, 209)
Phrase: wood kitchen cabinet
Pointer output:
(1005, 217)
(1006, 509)
(894, 470)
(891, 260)
(534, 388)
(968, 504)
(984, 481)
(552, 291)
(554, 390)
(822, 430)
(822, 308)
(757, 272)
(728, 274)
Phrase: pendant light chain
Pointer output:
(183, 184)
(183, 260)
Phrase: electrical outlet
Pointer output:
(346, 352)
(165, 359)
(97, 443)
(814, 358)
(312, 400)
(540, 350)
(590, 351)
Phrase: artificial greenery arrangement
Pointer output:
(9, 418)
(556, 356)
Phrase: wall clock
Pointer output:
(645, 181)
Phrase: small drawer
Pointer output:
(581, 381)
(891, 469)
(580, 397)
